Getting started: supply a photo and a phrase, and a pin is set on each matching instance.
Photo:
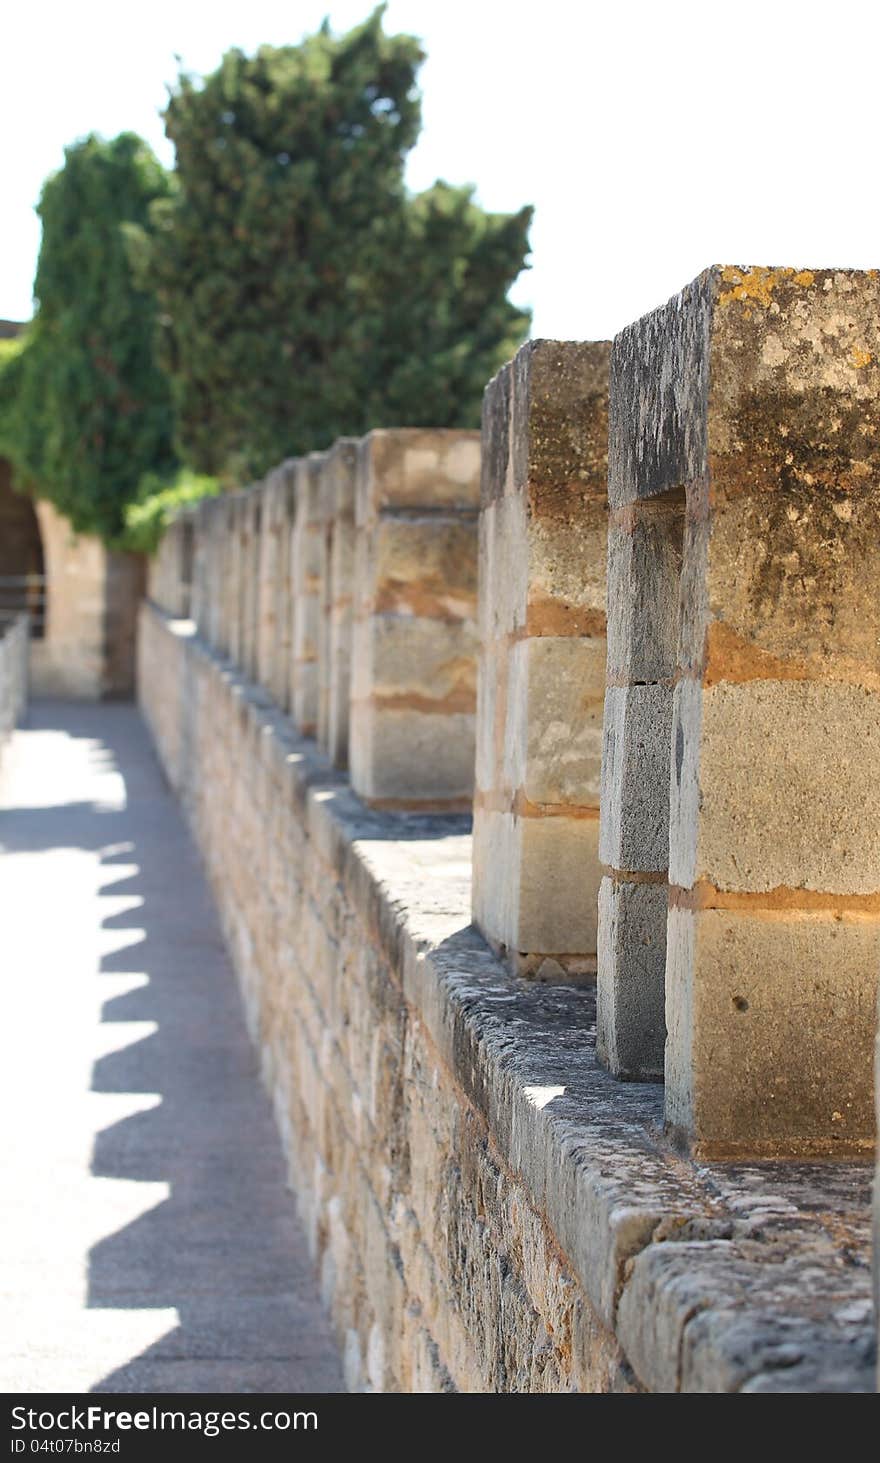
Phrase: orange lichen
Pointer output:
(757, 285)
(861, 356)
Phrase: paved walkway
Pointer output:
(148, 1240)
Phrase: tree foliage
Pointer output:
(304, 293)
(84, 409)
(147, 517)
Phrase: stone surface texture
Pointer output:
(414, 637)
(338, 599)
(14, 648)
(306, 562)
(645, 531)
(543, 534)
(489, 1210)
(92, 595)
(754, 396)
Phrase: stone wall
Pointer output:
(492, 1208)
(488, 1208)
(92, 597)
(13, 674)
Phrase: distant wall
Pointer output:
(13, 674)
(92, 595)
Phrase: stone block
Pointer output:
(503, 568)
(414, 636)
(759, 1062)
(270, 559)
(755, 396)
(344, 470)
(235, 607)
(636, 751)
(803, 817)
(496, 885)
(644, 570)
(425, 566)
(417, 663)
(284, 599)
(543, 530)
(631, 995)
(559, 879)
(251, 536)
(412, 757)
(411, 468)
(306, 564)
(554, 725)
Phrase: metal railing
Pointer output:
(24, 594)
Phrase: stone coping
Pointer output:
(717, 1277)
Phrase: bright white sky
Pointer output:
(653, 138)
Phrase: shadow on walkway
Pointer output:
(224, 1248)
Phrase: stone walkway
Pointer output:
(149, 1242)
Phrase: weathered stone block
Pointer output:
(270, 560)
(631, 994)
(644, 568)
(425, 567)
(416, 469)
(554, 728)
(412, 756)
(496, 887)
(543, 529)
(306, 563)
(414, 632)
(235, 590)
(418, 664)
(759, 1060)
(284, 597)
(344, 476)
(756, 395)
(559, 890)
(806, 815)
(635, 776)
(251, 535)
(336, 574)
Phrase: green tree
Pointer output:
(304, 293)
(85, 411)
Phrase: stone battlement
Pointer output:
(584, 1142)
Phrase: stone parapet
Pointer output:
(490, 1211)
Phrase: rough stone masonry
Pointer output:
(491, 1209)
(543, 530)
(747, 411)
(414, 639)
